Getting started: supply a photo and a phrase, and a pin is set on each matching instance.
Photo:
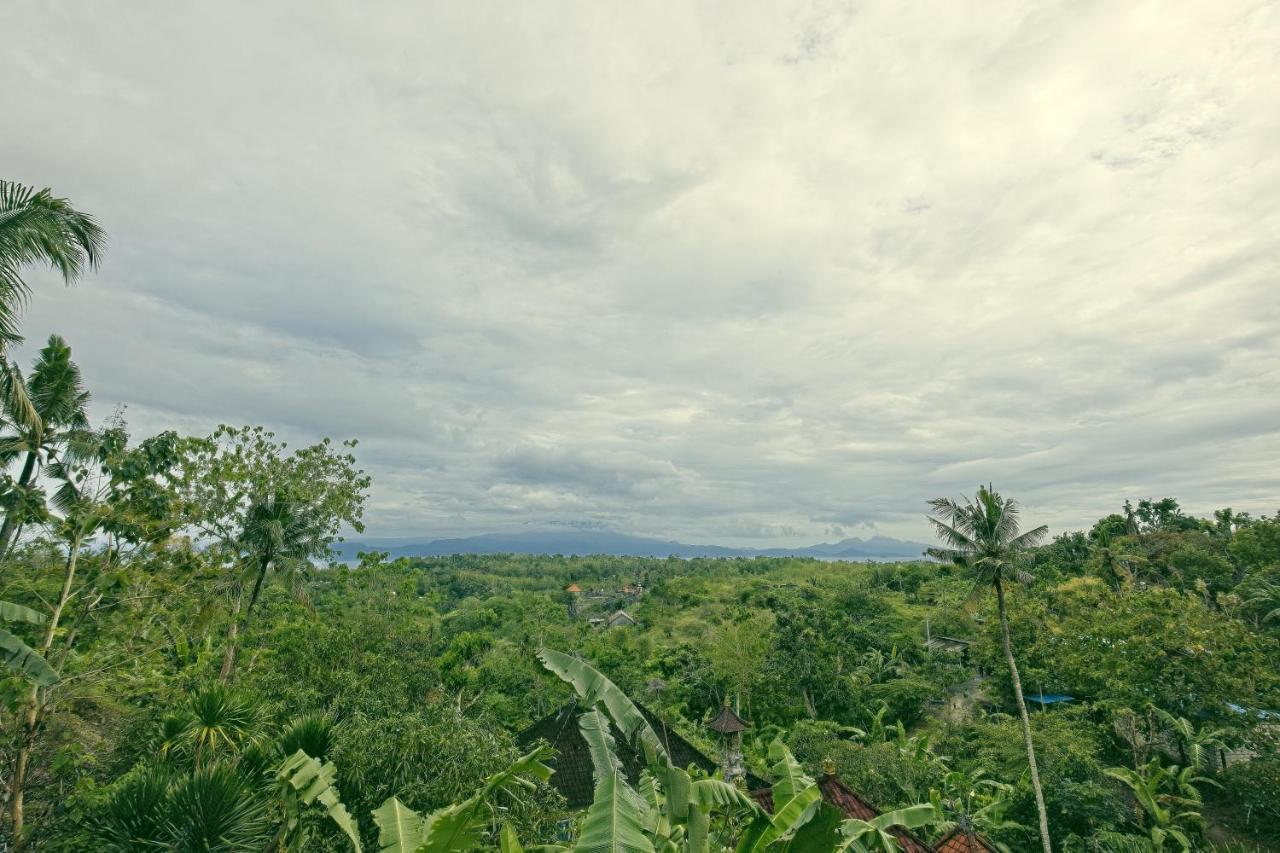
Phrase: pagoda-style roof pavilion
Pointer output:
(727, 722)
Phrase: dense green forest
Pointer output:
(188, 670)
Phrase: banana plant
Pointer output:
(1168, 799)
(306, 781)
(796, 799)
(1195, 745)
(679, 807)
(17, 655)
(617, 818)
(875, 836)
(461, 826)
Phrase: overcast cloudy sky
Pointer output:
(724, 272)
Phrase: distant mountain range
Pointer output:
(586, 542)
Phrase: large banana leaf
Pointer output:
(594, 688)
(508, 842)
(788, 776)
(873, 835)
(400, 828)
(458, 827)
(706, 796)
(615, 821)
(18, 656)
(313, 780)
(718, 794)
(819, 834)
(796, 799)
(10, 612)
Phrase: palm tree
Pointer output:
(982, 537)
(36, 228)
(281, 533)
(83, 514)
(1265, 600)
(53, 418)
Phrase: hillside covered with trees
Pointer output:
(188, 668)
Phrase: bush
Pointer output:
(1250, 797)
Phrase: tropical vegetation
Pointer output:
(193, 663)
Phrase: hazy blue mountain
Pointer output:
(583, 542)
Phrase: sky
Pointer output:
(754, 273)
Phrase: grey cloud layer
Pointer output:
(720, 272)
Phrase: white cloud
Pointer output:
(721, 272)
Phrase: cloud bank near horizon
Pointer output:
(712, 272)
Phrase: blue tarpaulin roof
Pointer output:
(1260, 714)
(1050, 698)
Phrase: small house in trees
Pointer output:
(620, 619)
(573, 589)
(939, 643)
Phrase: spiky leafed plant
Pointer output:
(982, 536)
(215, 807)
(133, 817)
(38, 229)
(312, 733)
(52, 418)
(221, 721)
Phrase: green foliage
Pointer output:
(313, 781)
(1249, 797)
(17, 655)
(37, 228)
(460, 826)
(615, 821)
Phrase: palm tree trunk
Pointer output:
(11, 519)
(233, 629)
(1026, 720)
(31, 718)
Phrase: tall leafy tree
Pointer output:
(83, 512)
(38, 229)
(54, 420)
(264, 509)
(983, 537)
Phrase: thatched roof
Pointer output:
(727, 722)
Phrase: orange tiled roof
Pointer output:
(961, 841)
(850, 804)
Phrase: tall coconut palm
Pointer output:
(281, 533)
(54, 419)
(38, 229)
(982, 536)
